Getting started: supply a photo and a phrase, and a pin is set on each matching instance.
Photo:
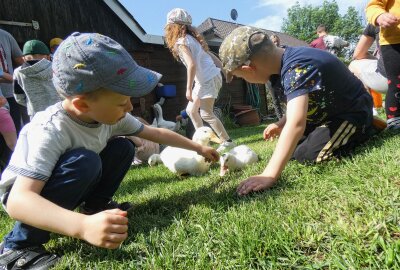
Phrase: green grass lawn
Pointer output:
(336, 215)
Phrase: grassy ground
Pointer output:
(338, 215)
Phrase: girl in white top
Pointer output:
(203, 69)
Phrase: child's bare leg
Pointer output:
(193, 110)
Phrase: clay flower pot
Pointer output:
(239, 108)
(248, 118)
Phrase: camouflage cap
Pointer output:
(235, 50)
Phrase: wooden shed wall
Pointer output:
(59, 18)
(160, 59)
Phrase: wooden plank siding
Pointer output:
(161, 60)
(59, 18)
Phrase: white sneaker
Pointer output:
(225, 146)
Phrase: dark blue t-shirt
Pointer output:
(333, 91)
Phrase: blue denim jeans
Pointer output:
(80, 175)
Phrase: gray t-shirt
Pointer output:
(9, 50)
(1, 93)
(53, 132)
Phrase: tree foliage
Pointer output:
(302, 21)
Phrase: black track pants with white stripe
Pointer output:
(334, 139)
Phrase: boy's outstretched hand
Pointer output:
(272, 131)
(107, 229)
(209, 153)
(255, 183)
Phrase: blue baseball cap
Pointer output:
(85, 62)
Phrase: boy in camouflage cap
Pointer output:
(328, 110)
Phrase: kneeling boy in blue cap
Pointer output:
(66, 157)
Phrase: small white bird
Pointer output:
(182, 161)
(154, 159)
(154, 124)
(236, 159)
(174, 126)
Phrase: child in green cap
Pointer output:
(33, 86)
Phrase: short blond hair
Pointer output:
(92, 95)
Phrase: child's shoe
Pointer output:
(28, 258)
(225, 146)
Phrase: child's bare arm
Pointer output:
(5, 77)
(18, 61)
(135, 140)
(292, 131)
(191, 70)
(3, 101)
(106, 229)
(168, 137)
(361, 50)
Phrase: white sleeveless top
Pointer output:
(205, 67)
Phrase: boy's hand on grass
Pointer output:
(387, 20)
(272, 131)
(106, 229)
(255, 183)
(209, 153)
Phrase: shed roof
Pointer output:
(132, 24)
(215, 31)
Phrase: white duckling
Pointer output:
(236, 159)
(154, 124)
(154, 159)
(174, 126)
(182, 161)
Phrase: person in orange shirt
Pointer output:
(386, 14)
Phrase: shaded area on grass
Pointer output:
(335, 215)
